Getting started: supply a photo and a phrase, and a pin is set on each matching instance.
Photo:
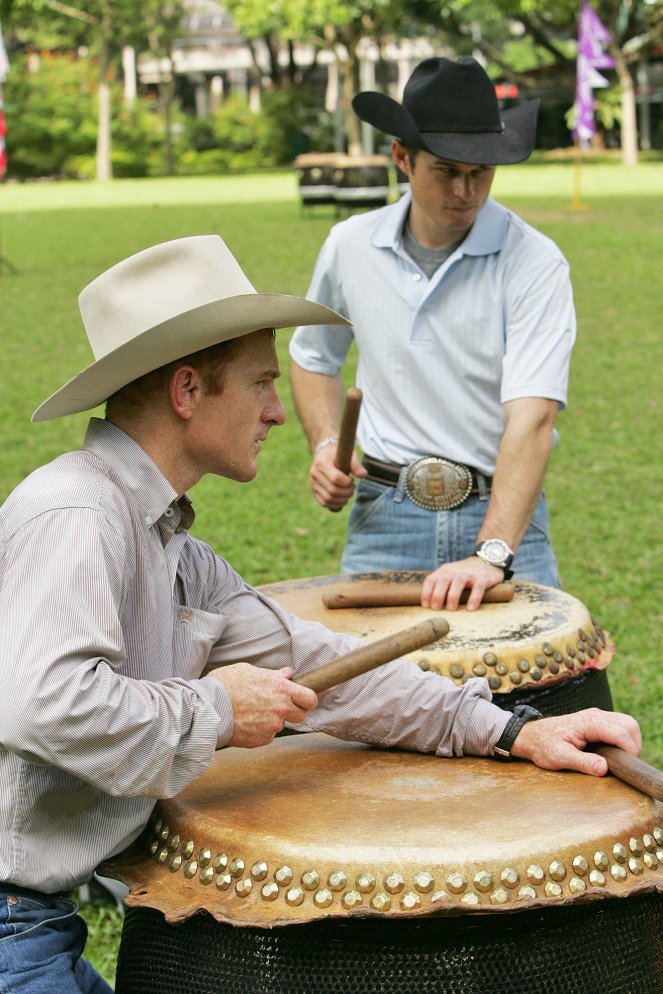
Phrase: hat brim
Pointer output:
(200, 328)
(514, 143)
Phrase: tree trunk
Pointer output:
(166, 93)
(629, 126)
(104, 169)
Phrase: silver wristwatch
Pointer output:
(496, 552)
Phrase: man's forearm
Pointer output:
(318, 402)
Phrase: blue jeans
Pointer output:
(386, 531)
(41, 945)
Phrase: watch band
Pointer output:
(522, 713)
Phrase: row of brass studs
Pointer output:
(637, 856)
(554, 660)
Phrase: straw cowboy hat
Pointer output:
(164, 303)
(450, 110)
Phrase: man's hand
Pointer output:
(262, 701)
(330, 487)
(443, 587)
(557, 743)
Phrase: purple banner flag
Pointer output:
(593, 36)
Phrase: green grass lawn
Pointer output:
(604, 484)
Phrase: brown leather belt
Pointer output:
(431, 482)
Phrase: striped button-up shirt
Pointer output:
(110, 614)
(439, 357)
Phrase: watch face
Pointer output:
(495, 551)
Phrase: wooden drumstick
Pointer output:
(375, 594)
(346, 438)
(632, 770)
(368, 657)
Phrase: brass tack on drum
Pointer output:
(558, 656)
(596, 878)
(154, 847)
(535, 874)
(162, 855)
(164, 833)
(220, 862)
(618, 872)
(191, 869)
(351, 899)
(174, 842)
(270, 891)
(323, 897)
(294, 897)
(439, 896)
(552, 889)
(479, 669)
(483, 881)
(489, 658)
(650, 860)
(635, 846)
(237, 867)
(570, 651)
(581, 635)
(502, 669)
(557, 870)
(456, 883)
(581, 865)
(510, 876)
(577, 885)
(381, 901)
(337, 880)
(470, 898)
(523, 665)
(659, 855)
(223, 881)
(601, 861)
(515, 677)
(424, 882)
(494, 682)
(499, 896)
(591, 652)
(283, 875)
(582, 659)
(569, 663)
(187, 849)
(259, 870)
(526, 891)
(175, 862)
(394, 883)
(410, 901)
(535, 673)
(540, 660)
(365, 882)
(456, 671)
(658, 835)
(648, 842)
(310, 879)
(553, 667)
(207, 875)
(548, 649)
(205, 857)
(619, 852)
(636, 866)
(157, 826)
(424, 665)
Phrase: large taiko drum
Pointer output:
(315, 866)
(542, 648)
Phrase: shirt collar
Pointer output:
(486, 236)
(154, 495)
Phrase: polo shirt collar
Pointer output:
(486, 236)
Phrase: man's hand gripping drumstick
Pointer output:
(335, 461)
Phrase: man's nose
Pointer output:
(464, 187)
(275, 412)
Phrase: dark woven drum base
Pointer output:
(589, 690)
(604, 947)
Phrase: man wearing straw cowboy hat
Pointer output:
(464, 321)
(129, 651)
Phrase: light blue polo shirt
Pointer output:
(438, 357)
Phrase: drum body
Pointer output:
(542, 648)
(323, 866)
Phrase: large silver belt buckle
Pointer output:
(437, 484)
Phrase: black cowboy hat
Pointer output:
(450, 110)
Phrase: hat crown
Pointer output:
(452, 97)
(155, 285)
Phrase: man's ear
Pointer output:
(400, 157)
(185, 391)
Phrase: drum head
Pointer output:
(541, 637)
(311, 827)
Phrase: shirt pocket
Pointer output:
(195, 633)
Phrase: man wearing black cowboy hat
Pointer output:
(464, 321)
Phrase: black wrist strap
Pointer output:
(521, 714)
